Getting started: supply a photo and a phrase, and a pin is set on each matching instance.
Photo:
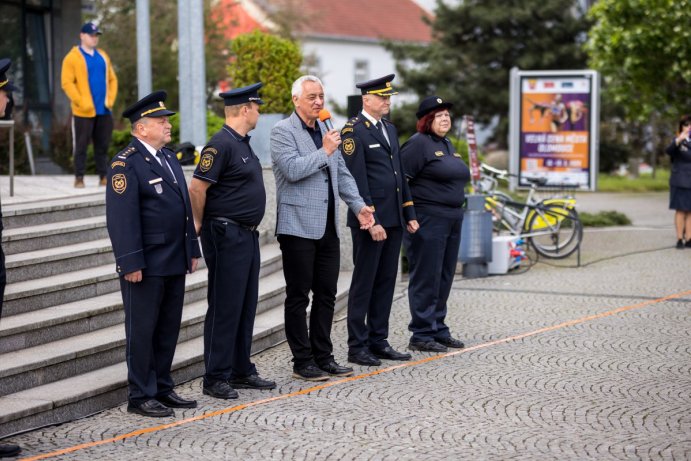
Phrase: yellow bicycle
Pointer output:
(551, 226)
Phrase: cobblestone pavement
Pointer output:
(563, 362)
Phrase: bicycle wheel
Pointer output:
(559, 231)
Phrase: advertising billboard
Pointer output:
(554, 127)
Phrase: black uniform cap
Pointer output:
(5, 83)
(431, 103)
(149, 106)
(379, 86)
(242, 95)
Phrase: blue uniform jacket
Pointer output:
(148, 215)
(378, 172)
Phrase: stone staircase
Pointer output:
(62, 339)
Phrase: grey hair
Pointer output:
(297, 85)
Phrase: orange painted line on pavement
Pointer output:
(312, 389)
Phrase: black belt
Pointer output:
(231, 221)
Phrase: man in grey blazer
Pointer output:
(310, 175)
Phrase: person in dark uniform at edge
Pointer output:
(437, 176)
(680, 182)
(310, 178)
(371, 152)
(228, 201)
(6, 88)
(151, 227)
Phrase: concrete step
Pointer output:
(60, 259)
(52, 235)
(53, 210)
(102, 388)
(54, 323)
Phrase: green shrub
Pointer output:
(274, 61)
(604, 219)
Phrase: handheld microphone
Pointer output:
(325, 118)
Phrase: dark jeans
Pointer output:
(84, 130)
(310, 265)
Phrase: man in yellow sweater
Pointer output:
(90, 83)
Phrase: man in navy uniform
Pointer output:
(6, 88)
(151, 227)
(371, 152)
(228, 200)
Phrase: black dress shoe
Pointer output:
(8, 451)
(389, 353)
(364, 358)
(426, 346)
(450, 341)
(687, 244)
(173, 400)
(310, 372)
(680, 244)
(334, 369)
(251, 382)
(220, 390)
(152, 408)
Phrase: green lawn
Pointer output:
(611, 183)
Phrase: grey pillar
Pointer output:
(192, 74)
(143, 49)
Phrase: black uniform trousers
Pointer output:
(432, 254)
(153, 310)
(310, 265)
(232, 258)
(371, 289)
(84, 130)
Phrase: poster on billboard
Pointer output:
(554, 127)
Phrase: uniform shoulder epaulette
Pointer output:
(129, 150)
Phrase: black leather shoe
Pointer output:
(687, 244)
(173, 400)
(450, 341)
(251, 382)
(8, 451)
(364, 358)
(152, 408)
(310, 372)
(334, 369)
(680, 244)
(389, 353)
(220, 390)
(426, 346)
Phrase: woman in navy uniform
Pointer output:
(680, 182)
(371, 152)
(151, 227)
(437, 177)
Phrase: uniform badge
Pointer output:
(456, 154)
(118, 163)
(366, 123)
(439, 153)
(346, 130)
(206, 162)
(119, 183)
(349, 146)
(159, 188)
(439, 101)
(211, 150)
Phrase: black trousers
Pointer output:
(372, 287)
(310, 265)
(232, 257)
(432, 255)
(84, 130)
(3, 277)
(153, 310)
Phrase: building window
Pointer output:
(361, 72)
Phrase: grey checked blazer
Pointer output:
(302, 181)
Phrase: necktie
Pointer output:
(380, 127)
(164, 164)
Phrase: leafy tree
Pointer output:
(275, 61)
(477, 42)
(643, 49)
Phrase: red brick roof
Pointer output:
(398, 20)
(370, 19)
